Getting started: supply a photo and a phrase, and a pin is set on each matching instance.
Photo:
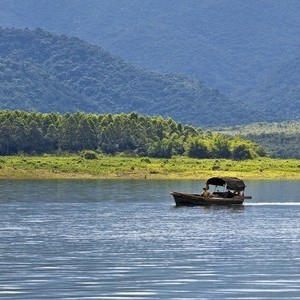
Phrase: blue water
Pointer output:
(126, 240)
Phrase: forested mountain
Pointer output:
(40, 71)
(280, 140)
(228, 44)
(26, 86)
(132, 134)
(278, 92)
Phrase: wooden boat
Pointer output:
(232, 195)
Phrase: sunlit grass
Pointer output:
(46, 167)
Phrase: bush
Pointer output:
(89, 154)
(146, 160)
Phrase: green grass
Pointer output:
(47, 167)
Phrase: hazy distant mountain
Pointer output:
(229, 44)
(278, 92)
(44, 72)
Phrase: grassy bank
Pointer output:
(49, 167)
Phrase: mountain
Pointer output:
(278, 92)
(228, 44)
(30, 88)
(45, 72)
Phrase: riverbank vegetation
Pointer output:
(100, 166)
(131, 134)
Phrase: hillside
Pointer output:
(30, 88)
(228, 44)
(45, 72)
(278, 92)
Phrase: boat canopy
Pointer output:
(232, 183)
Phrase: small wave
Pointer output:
(273, 204)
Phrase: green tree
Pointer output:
(241, 152)
(35, 138)
(197, 148)
(161, 149)
(220, 147)
(86, 135)
(6, 134)
(51, 138)
(67, 133)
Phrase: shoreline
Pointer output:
(128, 168)
(68, 176)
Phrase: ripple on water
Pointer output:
(95, 240)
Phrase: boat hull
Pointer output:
(182, 199)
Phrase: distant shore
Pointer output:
(107, 167)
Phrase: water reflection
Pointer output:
(232, 208)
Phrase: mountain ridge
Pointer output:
(90, 79)
(278, 91)
(224, 43)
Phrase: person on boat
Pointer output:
(206, 193)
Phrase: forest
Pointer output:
(131, 134)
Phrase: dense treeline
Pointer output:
(132, 134)
(280, 140)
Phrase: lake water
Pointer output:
(126, 240)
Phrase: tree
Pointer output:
(161, 149)
(197, 149)
(6, 137)
(241, 152)
(86, 135)
(220, 147)
(51, 138)
(67, 133)
(35, 138)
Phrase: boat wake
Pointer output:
(273, 204)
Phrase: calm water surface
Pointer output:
(126, 240)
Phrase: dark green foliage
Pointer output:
(131, 134)
(89, 154)
(161, 149)
(197, 149)
(221, 147)
(241, 152)
(44, 72)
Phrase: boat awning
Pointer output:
(232, 183)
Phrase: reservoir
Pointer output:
(122, 239)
